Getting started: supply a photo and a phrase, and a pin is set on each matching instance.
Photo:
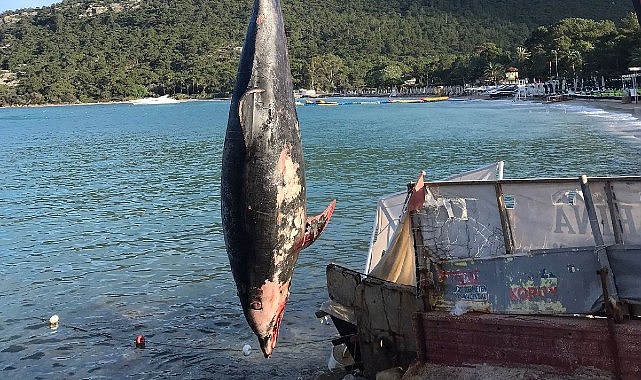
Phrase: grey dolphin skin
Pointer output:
(263, 194)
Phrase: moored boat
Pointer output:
(165, 99)
(405, 101)
(435, 98)
(503, 91)
(446, 251)
(420, 100)
(320, 102)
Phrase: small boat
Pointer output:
(419, 100)
(554, 98)
(489, 263)
(435, 98)
(321, 102)
(405, 101)
(165, 99)
(503, 91)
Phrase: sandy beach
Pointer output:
(610, 105)
(628, 111)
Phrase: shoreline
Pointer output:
(609, 105)
(101, 103)
(605, 104)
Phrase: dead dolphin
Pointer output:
(263, 194)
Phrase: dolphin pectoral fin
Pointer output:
(316, 225)
(245, 110)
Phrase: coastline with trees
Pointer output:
(110, 51)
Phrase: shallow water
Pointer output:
(109, 217)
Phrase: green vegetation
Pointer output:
(108, 50)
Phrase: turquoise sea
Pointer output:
(110, 218)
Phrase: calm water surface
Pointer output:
(109, 217)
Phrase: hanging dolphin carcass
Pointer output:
(263, 194)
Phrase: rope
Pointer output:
(181, 346)
(314, 341)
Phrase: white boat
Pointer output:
(165, 99)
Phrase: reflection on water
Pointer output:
(109, 217)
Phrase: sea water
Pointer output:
(110, 218)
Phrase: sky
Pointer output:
(6, 5)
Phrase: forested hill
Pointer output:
(91, 50)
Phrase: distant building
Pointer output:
(304, 93)
(512, 75)
(410, 82)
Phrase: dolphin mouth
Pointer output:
(268, 343)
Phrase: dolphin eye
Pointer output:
(255, 301)
(256, 305)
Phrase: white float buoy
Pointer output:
(247, 350)
(53, 321)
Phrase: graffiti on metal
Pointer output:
(467, 286)
(574, 220)
(462, 277)
(471, 293)
(529, 293)
(535, 293)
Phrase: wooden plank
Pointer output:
(384, 317)
(341, 284)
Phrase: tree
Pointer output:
(357, 70)
(629, 24)
(489, 52)
(635, 57)
(386, 73)
(522, 56)
(494, 72)
(61, 91)
(575, 60)
(192, 47)
(327, 73)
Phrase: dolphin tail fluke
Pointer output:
(316, 225)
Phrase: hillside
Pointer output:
(92, 50)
